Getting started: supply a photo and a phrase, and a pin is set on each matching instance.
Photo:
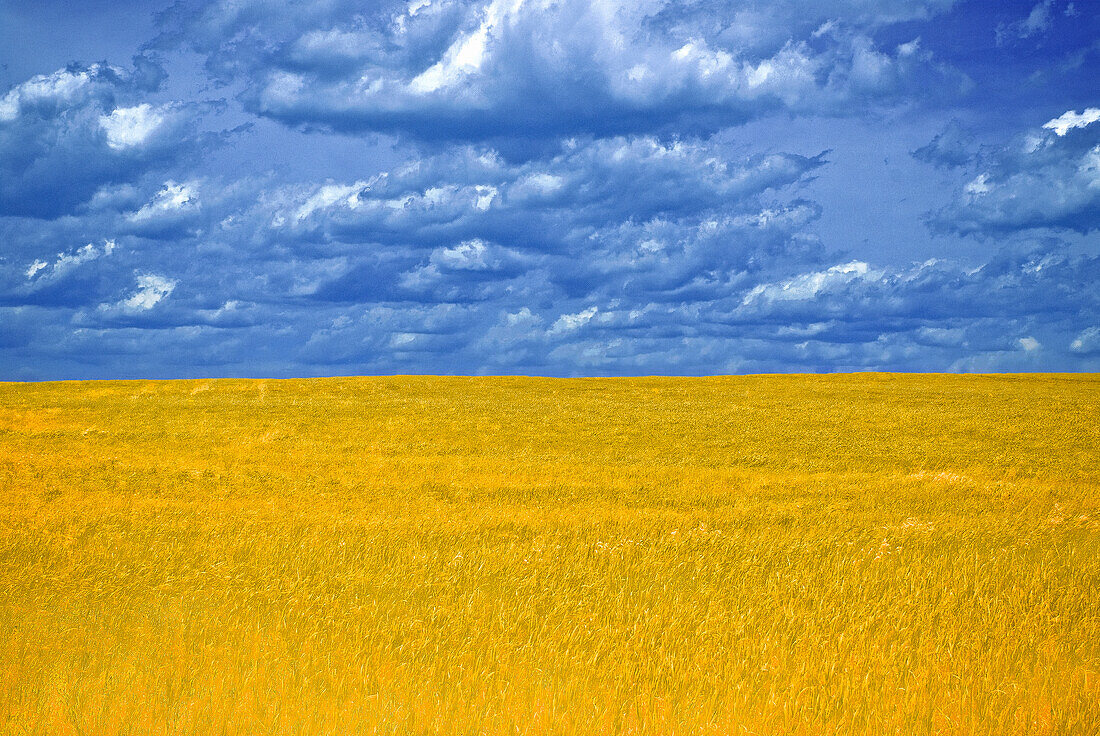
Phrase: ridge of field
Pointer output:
(870, 553)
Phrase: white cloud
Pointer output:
(329, 195)
(466, 55)
(62, 86)
(169, 201)
(809, 285)
(1087, 342)
(523, 318)
(152, 289)
(571, 322)
(67, 136)
(471, 255)
(66, 262)
(1042, 178)
(128, 127)
(979, 186)
(485, 196)
(1038, 21)
(434, 201)
(1073, 119)
(519, 66)
(9, 107)
(1030, 344)
(35, 268)
(538, 184)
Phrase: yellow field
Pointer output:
(871, 554)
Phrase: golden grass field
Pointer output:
(858, 554)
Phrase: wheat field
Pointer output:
(856, 554)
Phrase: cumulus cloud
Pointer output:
(470, 193)
(1006, 286)
(1007, 314)
(152, 289)
(129, 127)
(809, 285)
(48, 92)
(726, 278)
(471, 255)
(432, 251)
(172, 212)
(43, 271)
(625, 215)
(937, 315)
(473, 270)
(476, 69)
(68, 277)
(65, 135)
(1071, 119)
(571, 322)
(1048, 178)
(548, 195)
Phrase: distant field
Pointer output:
(865, 554)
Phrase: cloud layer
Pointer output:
(567, 188)
(1047, 178)
(66, 134)
(527, 69)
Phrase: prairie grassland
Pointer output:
(867, 554)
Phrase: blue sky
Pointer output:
(596, 187)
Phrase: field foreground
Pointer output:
(868, 554)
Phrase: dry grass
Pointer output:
(866, 554)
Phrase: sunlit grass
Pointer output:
(807, 555)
